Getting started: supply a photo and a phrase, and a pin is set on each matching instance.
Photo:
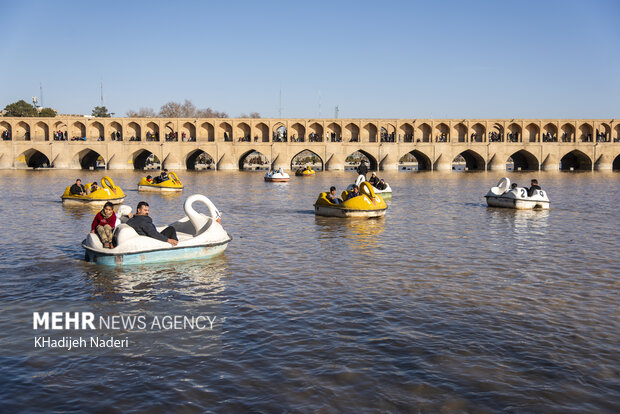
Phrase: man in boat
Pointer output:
(532, 190)
(77, 188)
(94, 187)
(332, 196)
(362, 169)
(354, 192)
(374, 180)
(143, 225)
(162, 177)
(149, 179)
(381, 185)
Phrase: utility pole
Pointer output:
(101, 91)
(319, 103)
(336, 111)
(280, 106)
(41, 92)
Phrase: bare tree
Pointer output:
(254, 115)
(210, 113)
(188, 110)
(141, 113)
(170, 110)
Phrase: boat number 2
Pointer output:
(522, 193)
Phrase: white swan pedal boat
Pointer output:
(386, 192)
(200, 236)
(278, 176)
(517, 198)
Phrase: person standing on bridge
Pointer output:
(362, 169)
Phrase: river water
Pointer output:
(444, 305)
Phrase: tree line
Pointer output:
(170, 109)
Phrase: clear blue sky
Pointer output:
(374, 59)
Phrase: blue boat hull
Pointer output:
(156, 256)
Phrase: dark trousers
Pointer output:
(170, 233)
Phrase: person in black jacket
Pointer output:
(77, 188)
(362, 169)
(532, 190)
(143, 225)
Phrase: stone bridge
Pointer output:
(73, 142)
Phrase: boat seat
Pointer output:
(123, 233)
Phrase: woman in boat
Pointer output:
(103, 224)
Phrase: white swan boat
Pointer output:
(386, 192)
(503, 196)
(278, 176)
(200, 236)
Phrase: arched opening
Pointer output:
(116, 131)
(585, 133)
(243, 132)
(299, 133)
(188, 132)
(41, 131)
(468, 161)
(461, 132)
(617, 134)
(405, 133)
(514, 133)
(616, 164)
(262, 133)
(134, 131)
(353, 160)
(225, 132)
(78, 131)
(414, 161)
(170, 133)
(388, 133)
(423, 133)
(280, 134)
(61, 132)
(479, 132)
(90, 159)
(145, 160)
(568, 133)
(369, 133)
(32, 158)
(550, 133)
(351, 133)
(575, 161)
(152, 131)
(316, 133)
(254, 161)
(334, 132)
(442, 133)
(531, 133)
(603, 133)
(207, 131)
(497, 133)
(307, 157)
(199, 160)
(95, 131)
(522, 161)
(22, 131)
(6, 131)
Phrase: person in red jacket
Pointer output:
(103, 224)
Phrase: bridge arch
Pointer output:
(550, 133)
(299, 132)
(405, 132)
(461, 132)
(152, 131)
(261, 132)
(78, 129)
(473, 161)
(479, 132)
(575, 160)
(33, 158)
(224, 132)
(371, 161)
(207, 131)
(317, 131)
(334, 131)
(253, 157)
(116, 130)
(243, 132)
(603, 132)
(585, 132)
(142, 157)
(423, 160)
(306, 157)
(95, 130)
(22, 131)
(88, 158)
(41, 131)
(616, 163)
(280, 133)
(442, 132)
(189, 129)
(5, 126)
(532, 131)
(568, 133)
(525, 161)
(515, 133)
(199, 159)
(369, 133)
(134, 131)
(617, 133)
(497, 133)
(423, 133)
(351, 133)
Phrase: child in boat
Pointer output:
(103, 224)
(332, 197)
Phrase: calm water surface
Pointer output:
(443, 305)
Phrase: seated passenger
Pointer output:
(381, 185)
(374, 180)
(77, 188)
(94, 187)
(149, 179)
(532, 190)
(103, 224)
(143, 225)
(354, 192)
(332, 197)
(164, 175)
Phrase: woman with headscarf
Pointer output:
(103, 224)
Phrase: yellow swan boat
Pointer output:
(367, 204)
(172, 184)
(307, 172)
(107, 192)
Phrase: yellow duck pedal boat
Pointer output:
(172, 184)
(367, 204)
(107, 192)
(307, 172)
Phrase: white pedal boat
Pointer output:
(278, 176)
(386, 192)
(517, 198)
(200, 236)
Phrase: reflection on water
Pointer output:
(443, 305)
